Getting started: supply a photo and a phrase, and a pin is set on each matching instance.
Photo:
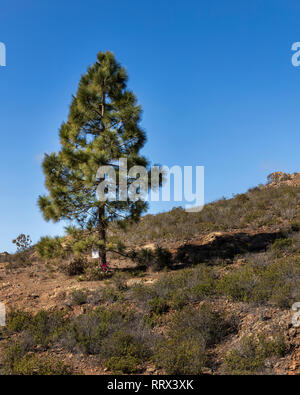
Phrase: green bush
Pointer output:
(141, 291)
(111, 295)
(43, 328)
(190, 332)
(124, 348)
(17, 362)
(178, 298)
(252, 352)
(239, 284)
(76, 267)
(17, 321)
(212, 326)
(33, 365)
(158, 306)
(276, 283)
(12, 354)
(99, 332)
(120, 281)
(180, 355)
(50, 248)
(124, 364)
(78, 297)
(176, 289)
(200, 283)
(163, 258)
(46, 327)
(87, 331)
(93, 273)
(156, 259)
(151, 320)
(281, 246)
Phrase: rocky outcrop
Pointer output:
(279, 178)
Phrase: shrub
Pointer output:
(46, 327)
(44, 366)
(275, 283)
(17, 362)
(92, 273)
(210, 325)
(156, 259)
(18, 321)
(239, 284)
(78, 297)
(86, 332)
(43, 328)
(151, 320)
(189, 285)
(158, 306)
(119, 281)
(175, 289)
(111, 295)
(200, 282)
(180, 356)
(163, 258)
(119, 338)
(142, 294)
(50, 248)
(13, 353)
(76, 267)
(95, 297)
(190, 332)
(178, 298)
(124, 352)
(125, 364)
(252, 352)
(281, 246)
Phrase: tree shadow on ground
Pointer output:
(225, 246)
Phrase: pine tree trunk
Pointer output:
(102, 237)
(102, 224)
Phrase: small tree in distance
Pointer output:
(22, 242)
(102, 126)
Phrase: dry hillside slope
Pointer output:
(221, 303)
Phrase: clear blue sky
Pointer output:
(214, 78)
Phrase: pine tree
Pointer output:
(102, 126)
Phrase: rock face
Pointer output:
(4, 257)
(279, 177)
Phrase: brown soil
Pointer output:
(39, 286)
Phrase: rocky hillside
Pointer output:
(271, 206)
(213, 295)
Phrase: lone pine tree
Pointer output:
(102, 126)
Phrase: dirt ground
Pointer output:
(39, 286)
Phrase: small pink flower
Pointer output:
(105, 267)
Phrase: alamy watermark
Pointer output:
(2, 55)
(2, 314)
(179, 184)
